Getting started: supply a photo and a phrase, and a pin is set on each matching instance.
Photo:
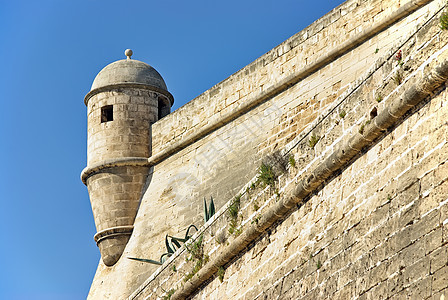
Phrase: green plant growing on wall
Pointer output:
(292, 161)
(234, 207)
(220, 273)
(176, 241)
(379, 98)
(154, 262)
(256, 205)
(211, 210)
(169, 294)
(196, 251)
(342, 114)
(172, 244)
(171, 247)
(234, 230)
(272, 166)
(232, 213)
(314, 139)
(443, 21)
(266, 175)
(319, 264)
(398, 78)
(256, 219)
(361, 129)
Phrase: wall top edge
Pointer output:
(299, 37)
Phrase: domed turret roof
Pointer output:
(129, 71)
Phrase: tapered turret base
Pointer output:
(115, 195)
(112, 242)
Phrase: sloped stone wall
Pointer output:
(351, 229)
(376, 229)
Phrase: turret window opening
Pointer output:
(107, 113)
(163, 109)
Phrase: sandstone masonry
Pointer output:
(359, 212)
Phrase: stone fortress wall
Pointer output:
(362, 213)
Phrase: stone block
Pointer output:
(433, 240)
(418, 271)
(438, 259)
(439, 280)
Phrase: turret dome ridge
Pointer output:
(129, 71)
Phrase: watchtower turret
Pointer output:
(126, 97)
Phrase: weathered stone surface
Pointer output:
(367, 222)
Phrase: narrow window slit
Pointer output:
(107, 113)
(163, 109)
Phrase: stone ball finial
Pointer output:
(128, 53)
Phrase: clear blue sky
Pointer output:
(51, 52)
